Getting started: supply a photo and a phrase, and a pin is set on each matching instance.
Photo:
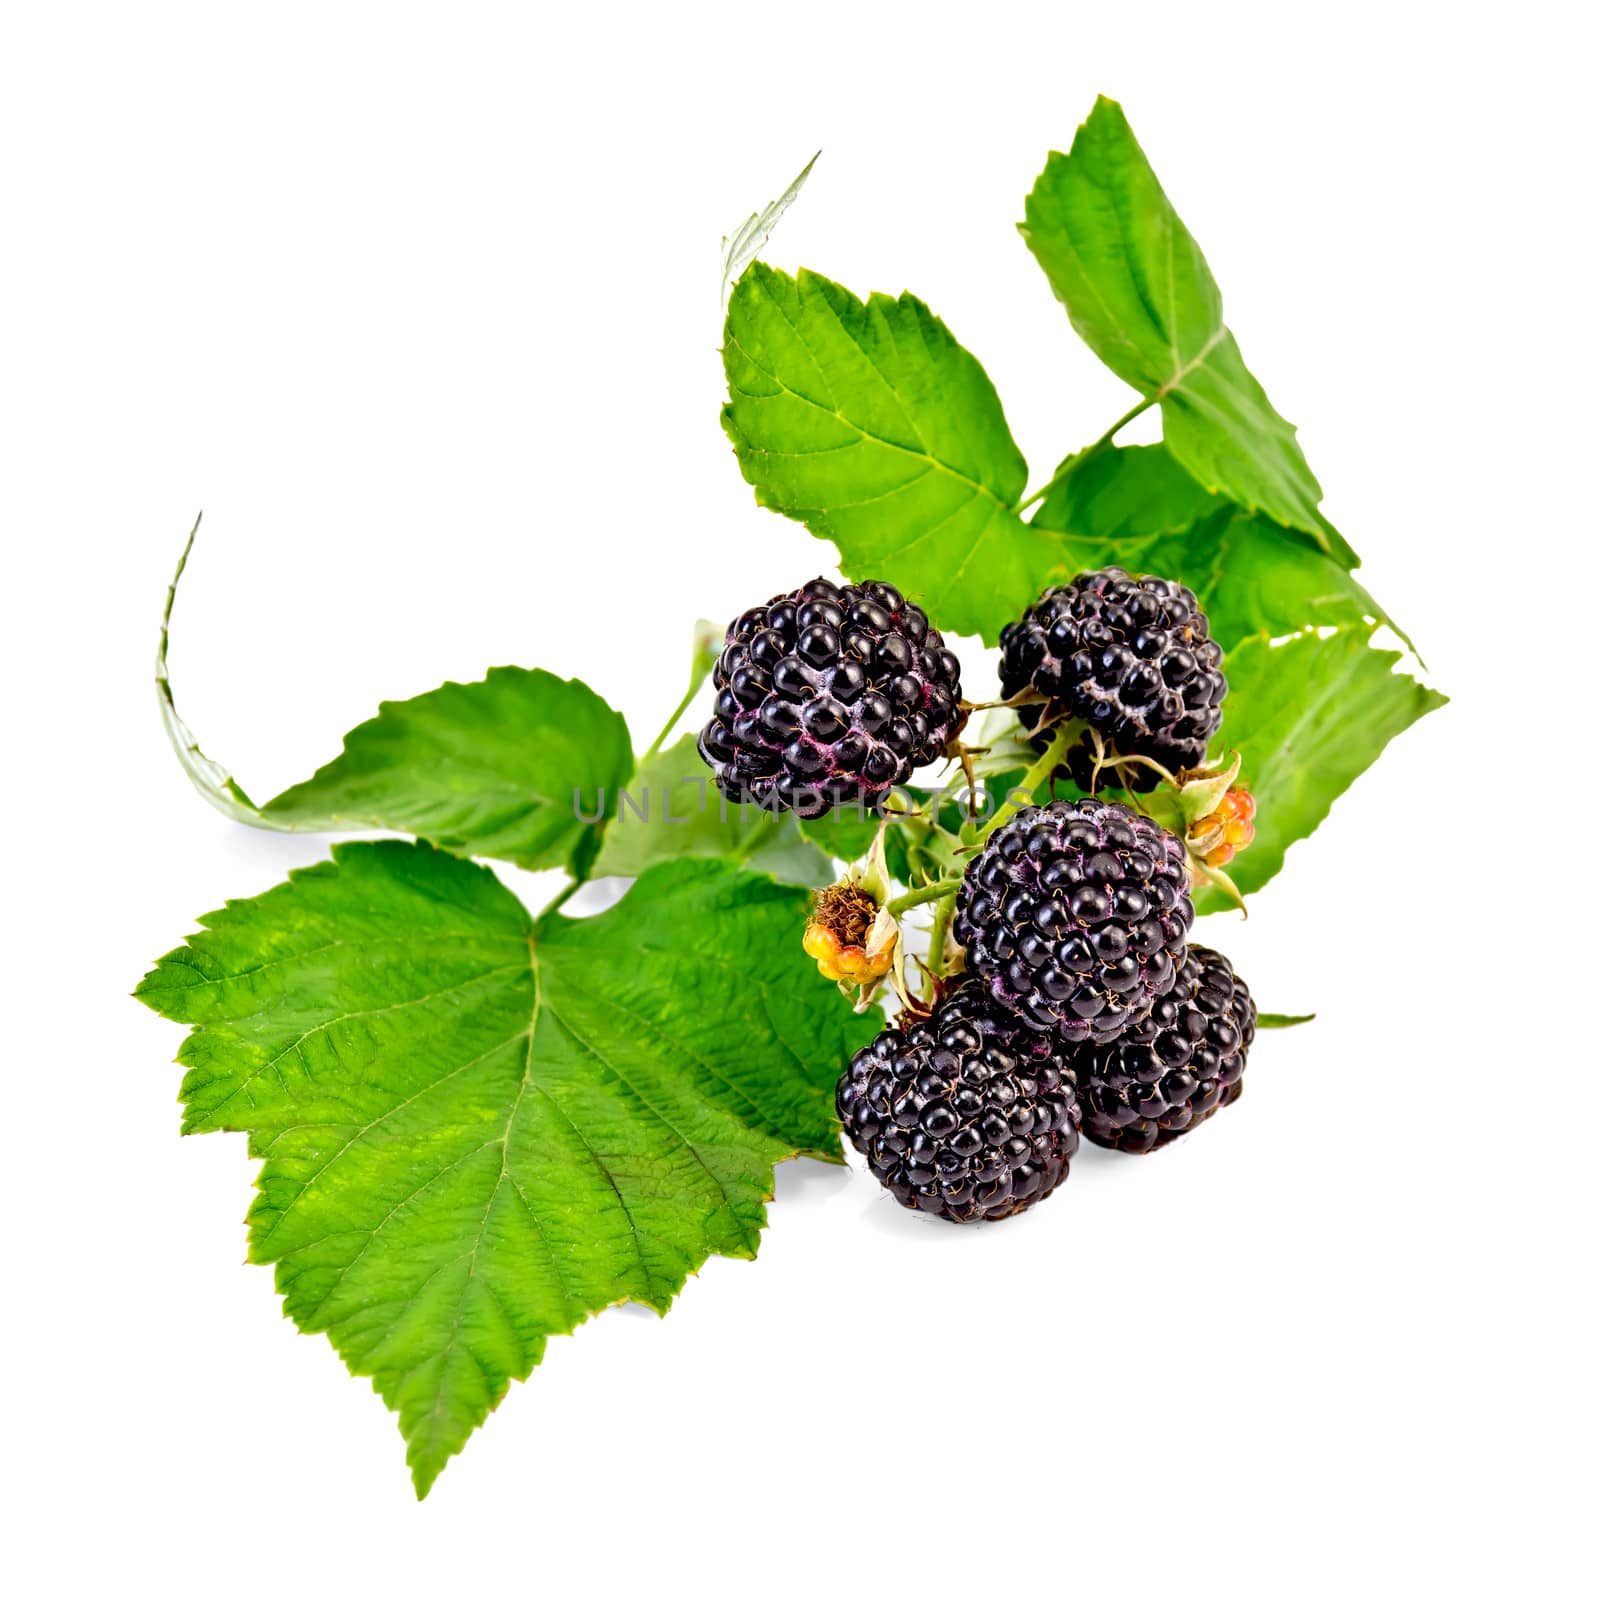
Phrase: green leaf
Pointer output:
(1262, 579)
(1120, 499)
(914, 850)
(1309, 715)
(670, 808)
(522, 766)
(1140, 294)
(1279, 1019)
(1135, 507)
(873, 427)
(847, 834)
(478, 1130)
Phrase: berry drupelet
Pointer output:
(829, 696)
(965, 1115)
(1171, 1071)
(1133, 658)
(1074, 916)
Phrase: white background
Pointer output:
(421, 306)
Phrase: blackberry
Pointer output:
(966, 1114)
(1074, 916)
(1132, 657)
(829, 696)
(1167, 1074)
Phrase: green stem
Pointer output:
(939, 889)
(708, 641)
(561, 899)
(672, 722)
(943, 890)
(1073, 462)
(1033, 780)
(938, 935)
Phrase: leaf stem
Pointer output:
(1083, 455)
(707, 647)
(677, 714)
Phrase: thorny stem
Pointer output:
(1034, 779)
(1083, 455)
(943, 890)
(939, 935)
(939, 889)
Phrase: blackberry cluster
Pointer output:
(1171, 1071)
(829, 696)
(1132, 657)
(966, 1115)
(1074, 917)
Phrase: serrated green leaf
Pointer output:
(671, 809)
(872, 426)
(478, 1130)
(1139, 292)
(522, 766)
(1135, 507)
(1262, 579)
(1309, 715)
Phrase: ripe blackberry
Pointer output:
(1167, 1074)
(1075, 915)
(1133, 658)
(829, 696)
(965, 1115)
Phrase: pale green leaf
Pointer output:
(522, 766)
(478, 1130)
(847, 832)
(872, 426)
(1139, 292)
(214, 782)
(745, 243)
(670, 808)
